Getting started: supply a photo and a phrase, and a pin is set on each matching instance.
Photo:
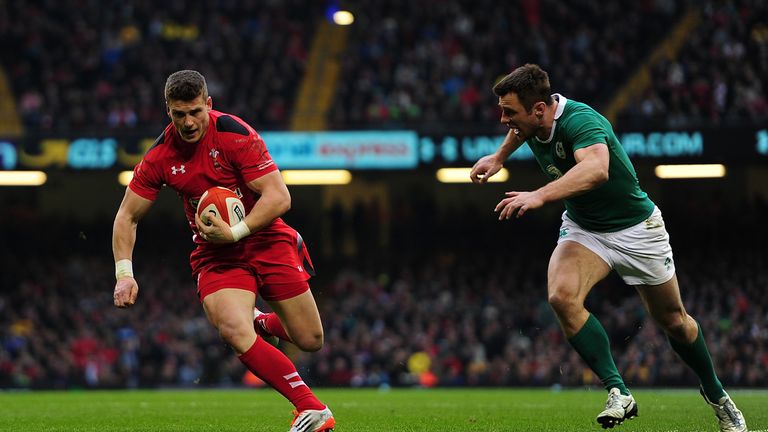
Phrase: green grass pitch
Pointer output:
(363, 410)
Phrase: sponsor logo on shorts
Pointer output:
(300, 268)
(654, 222)
(563, 232)
(668, 263)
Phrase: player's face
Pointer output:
(523, 123)
(190, 118)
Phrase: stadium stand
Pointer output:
(410, 63)
(102, 65)
(720, 76)
(406, 64)
(439, 315)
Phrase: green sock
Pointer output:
(697, 357)
(591, 342)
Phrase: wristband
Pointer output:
(123, 269)
(240, 230)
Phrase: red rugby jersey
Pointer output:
(230, 154)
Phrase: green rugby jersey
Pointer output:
(614, 205)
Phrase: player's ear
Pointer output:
(209, 102)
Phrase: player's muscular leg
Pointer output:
(231, 312)
(664, 304)
(573, 271)
(301, 320)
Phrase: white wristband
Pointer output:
(240, 230)
(123, 269)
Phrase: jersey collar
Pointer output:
(561, 101)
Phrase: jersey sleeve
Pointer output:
(586, 129)
(253, 159)
(146, 181)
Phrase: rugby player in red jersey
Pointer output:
(260, 255)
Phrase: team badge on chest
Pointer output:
(559, 150)
(214, 154)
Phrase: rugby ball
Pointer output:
(222, 203)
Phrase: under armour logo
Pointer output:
(175, 170)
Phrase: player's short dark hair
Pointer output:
(185, 85)
(530, 83)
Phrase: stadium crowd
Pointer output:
(444, 313)
(411, 63)
(720, 76)
(91, 65)
(101, 65)
(440, 73)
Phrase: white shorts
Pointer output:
(640, 254)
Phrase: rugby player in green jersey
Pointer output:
(609, 224)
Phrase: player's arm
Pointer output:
(131, 210)
(274, 201)
(489, 165)
(589, 172)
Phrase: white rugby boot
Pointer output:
(617, 409)
(313, 421)
(730, 418)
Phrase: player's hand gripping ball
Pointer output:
(222, 203)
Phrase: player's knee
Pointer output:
(561, 300)
(235, 334)
(310, 342)
(673, 324)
